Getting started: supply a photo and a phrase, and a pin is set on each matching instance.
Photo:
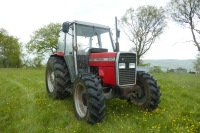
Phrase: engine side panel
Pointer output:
(107, 74)
(106, 66)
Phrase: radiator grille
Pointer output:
(127, 75)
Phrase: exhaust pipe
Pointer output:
(117, 36)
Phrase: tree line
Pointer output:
(142, 26)
(10, 50)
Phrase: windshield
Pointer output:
(93, 37)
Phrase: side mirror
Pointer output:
(65, 27)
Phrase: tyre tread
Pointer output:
(62, 78)
(154, 91)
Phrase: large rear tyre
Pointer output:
(148, 95)
(58, 82)
(89, 101)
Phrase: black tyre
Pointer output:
(58, 82)
(149, 92)
(89, 101)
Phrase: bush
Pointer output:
(156, 69)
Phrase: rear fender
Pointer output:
(70, 64)
(69, 59)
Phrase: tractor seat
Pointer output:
(97, 50)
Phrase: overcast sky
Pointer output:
(22, 17)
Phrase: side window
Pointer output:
(69, 41)
(61, 44)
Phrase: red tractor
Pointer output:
(89, 66)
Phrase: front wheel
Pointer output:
(89, 101)
(148, 93)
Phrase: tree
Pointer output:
(197, 63)
(9, 50)
(44, 39)
(143, 26)
(187, 14)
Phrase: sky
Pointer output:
(22, 17)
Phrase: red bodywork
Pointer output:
(106, 66)
(59, 54)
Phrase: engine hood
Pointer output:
(102, 59)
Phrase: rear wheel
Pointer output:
(148, 93)
(89, 101)
(58, 82)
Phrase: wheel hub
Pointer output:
(137, 94)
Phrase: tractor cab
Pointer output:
(79, 39)
(83, 36)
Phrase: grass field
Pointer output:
(26, 108)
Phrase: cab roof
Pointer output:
(90, 24)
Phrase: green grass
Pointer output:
(26, 107)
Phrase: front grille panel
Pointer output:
(127, 57)
(127, 76)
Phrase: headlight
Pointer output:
(122, 65)
(131, 65)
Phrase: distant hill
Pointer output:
(172, 63)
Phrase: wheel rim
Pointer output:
(50, 80)
(80, 100)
